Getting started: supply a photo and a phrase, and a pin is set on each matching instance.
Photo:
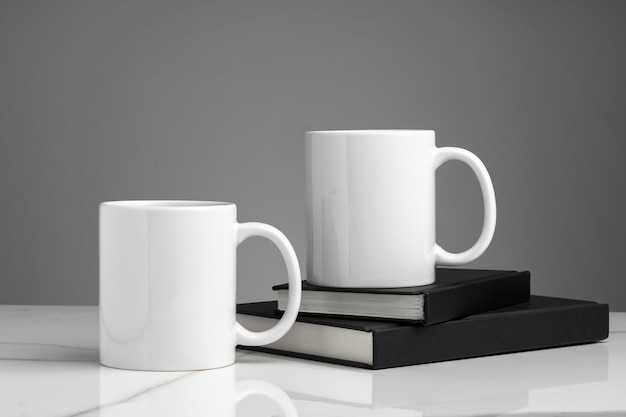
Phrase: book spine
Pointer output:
(465, 300)
(490, 335)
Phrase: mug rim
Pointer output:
(371, 131)
(166, 204)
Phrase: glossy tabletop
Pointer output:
(49, 367)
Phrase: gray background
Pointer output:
(105, 100)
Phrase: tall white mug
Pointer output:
(168, 284)
(371, 208)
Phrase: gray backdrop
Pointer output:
(104, 100)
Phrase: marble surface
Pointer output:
(49, 367)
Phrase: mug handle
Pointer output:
(443, 257)
(247, 337)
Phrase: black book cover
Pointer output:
(542, 322)
(456, 292)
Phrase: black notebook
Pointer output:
(456, 293)
(542, 322)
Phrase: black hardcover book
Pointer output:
(456, 293)
(542, 322)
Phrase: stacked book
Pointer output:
(465, 313)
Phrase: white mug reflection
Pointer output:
(213, 392)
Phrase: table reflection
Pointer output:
(49, 367)
(213, 392)
(486, 386)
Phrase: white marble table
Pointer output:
(49, 367)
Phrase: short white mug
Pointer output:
(168, 284)
(371, 208)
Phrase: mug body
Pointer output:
(167, 284)
(371, 208)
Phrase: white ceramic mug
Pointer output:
(371, 208)
(168, 284)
